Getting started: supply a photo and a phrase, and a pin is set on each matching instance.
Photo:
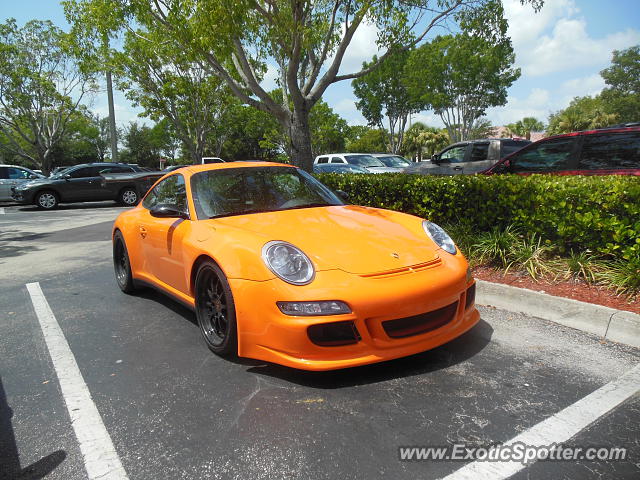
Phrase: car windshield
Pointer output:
(237, 191)
(395, 161)
(363, 161)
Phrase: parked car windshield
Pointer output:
(394, 161)
(237, 191)
(364, 161)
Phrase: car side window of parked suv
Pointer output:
(479, 152)
(454, 154)
(17, 174)
(170, 191)
(547, 156)
(117, 169)
(337, 160)
(85, 172)
(323, 160)
(608, 151)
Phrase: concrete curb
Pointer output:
(608, 323)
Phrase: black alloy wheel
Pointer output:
(215, 310)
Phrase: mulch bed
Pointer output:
(573, 288)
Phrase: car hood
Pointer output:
(355, 239)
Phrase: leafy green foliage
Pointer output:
(622, 95)
(461, 76)
(583, 113)
(623, 275)
(524, 127)
(373, 140)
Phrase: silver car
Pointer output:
(13, 175)
(364, 160)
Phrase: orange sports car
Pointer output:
(278, 268)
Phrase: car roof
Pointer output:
(612, 129)
(347, 153)
(221, 166)
(18, 166)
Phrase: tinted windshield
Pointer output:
(395, 161)
(236, 191)
(364, 161)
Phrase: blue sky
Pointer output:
(560, 50)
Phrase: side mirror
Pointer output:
(435, 158)
(66, 176)
(168, 211)
(343, 195)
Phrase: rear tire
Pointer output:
(122, 265)
(215, 310)
(46, 200)
(128, 197)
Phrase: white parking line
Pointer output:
(100, 457)
(559, 428)
(1, 211)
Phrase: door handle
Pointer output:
(143, 232)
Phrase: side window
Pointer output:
(171, 191)
(323, 160)
(610, 151)
(454, 154)
(3, 173)
(116, 169)
(511, 146)
(17, 174)
(336, 160)
(85, 172)
(550, 156)
(479, 152)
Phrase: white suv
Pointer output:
(364, 160)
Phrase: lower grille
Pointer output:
(425, 322)
(471, 296)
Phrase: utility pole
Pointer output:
(112, 120)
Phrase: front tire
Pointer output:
(122, 265)
(215, 310)
(47, 200)
(128, 197)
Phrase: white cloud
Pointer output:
(538, 104)
(346, 108)
(579, 87)
(361, 49)
(556, 39)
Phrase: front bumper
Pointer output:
(267, 334)
(23, 197)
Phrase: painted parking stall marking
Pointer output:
(100, 457)
(559, 428)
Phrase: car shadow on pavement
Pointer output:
(459, 350)
(10, 468)
(72, 206)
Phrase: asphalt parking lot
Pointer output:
(172, 409)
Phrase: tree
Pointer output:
(41, 88)
(622, 96)
(524, 127)
(583, 113)
(143, 145)
(373, 140)
(382, 94)
(460, 76)
(167, 84)
(423, 141)
(308, 39)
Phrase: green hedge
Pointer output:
(599, 213)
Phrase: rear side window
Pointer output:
(323, 160)
(116, 169)
(3, 173)
(479, 152)
(610, 151)
(547, 156)
(511, 146)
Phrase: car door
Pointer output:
(112, 189)
(83, 184)
(610, 153)
(479, 157)
(452, 160)
(12, 177)
(161, 238)
(555, 155)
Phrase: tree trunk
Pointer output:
(300, 135)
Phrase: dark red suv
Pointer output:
(607, 151)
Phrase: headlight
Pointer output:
(288, 263)
(439, 236)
